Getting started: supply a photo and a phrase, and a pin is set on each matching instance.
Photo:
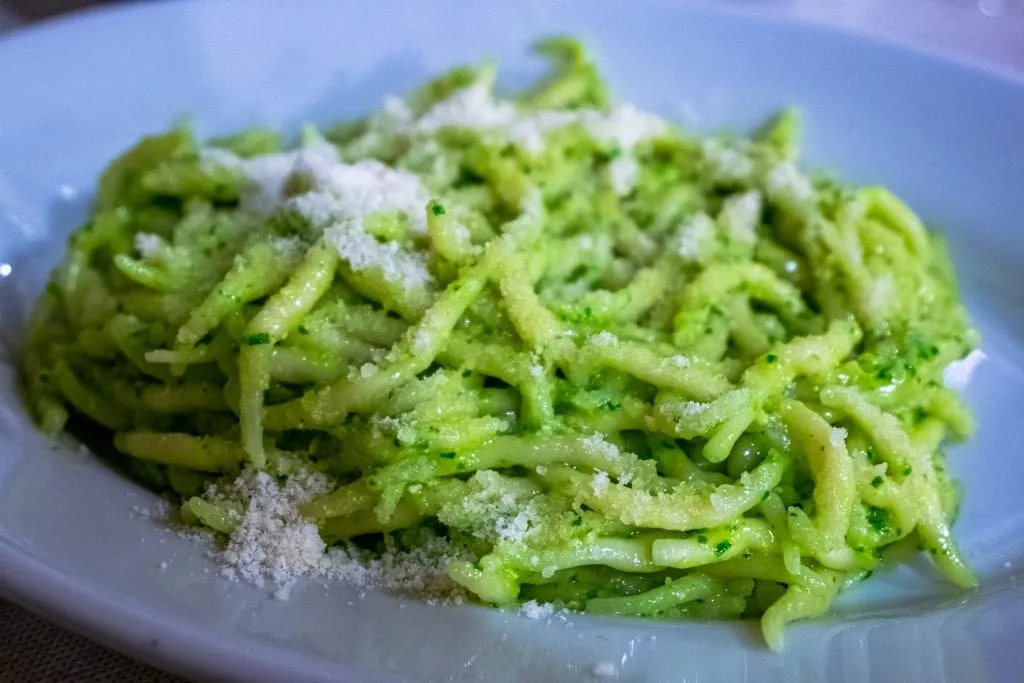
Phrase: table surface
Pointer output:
(991, 31)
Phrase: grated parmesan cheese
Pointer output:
(403, 427)
(605, 338)
(213, 157)
(785, 181)
(600, 482)
(493, 513)
(475, 108)
(420, 571)
(289, 247)
(626, 125)
(727, 163)
(369, 187)
(880, 296)
(694, 237)
(535, 610)
(362, 252)
(320, 208)
(273, 541)
(267, 174)
(622, 173)
(471, 107)
(276, 544)
(397, 109)
(514, 529)
(528, 132)
(422, 340)
(149, 246)
(837, 437)
(532, 208)
(343, 196)
(465, 238)
(359, 190)
(596, 444)
(688, 407)
(740, 217)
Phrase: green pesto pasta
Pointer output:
(622, 368)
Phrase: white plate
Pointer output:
(74, 93)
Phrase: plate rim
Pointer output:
(908, 45)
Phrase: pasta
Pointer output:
(620, 368)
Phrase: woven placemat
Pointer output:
(32, 650)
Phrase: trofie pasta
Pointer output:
(604, 363)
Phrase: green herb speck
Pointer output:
(257, 339)
(878, 518)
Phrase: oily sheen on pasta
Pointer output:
(610, 365)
